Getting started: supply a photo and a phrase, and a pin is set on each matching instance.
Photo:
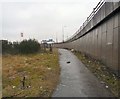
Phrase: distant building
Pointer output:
(50, 41)
(47, 43)
(2, 41)
(44, 42)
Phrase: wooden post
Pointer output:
(23, 82)
(50, 47)
(44, 47)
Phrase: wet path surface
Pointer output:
(76, 80)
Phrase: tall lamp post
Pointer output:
(56, 38)
(63, 31)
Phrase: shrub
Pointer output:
(29, 46)
(23, 47)
(16, 47)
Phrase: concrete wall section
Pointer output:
(100, 38)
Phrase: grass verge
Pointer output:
(107, 78)
(41, 72)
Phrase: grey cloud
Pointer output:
(43, 20)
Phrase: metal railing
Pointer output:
(95, 10)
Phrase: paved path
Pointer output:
(76, 80)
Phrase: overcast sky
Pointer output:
(44, 19)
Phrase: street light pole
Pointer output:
(56, 38)
(63, 31)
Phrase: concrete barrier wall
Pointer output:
(100, 38)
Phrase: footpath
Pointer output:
(76, 80)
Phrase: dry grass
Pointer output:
(0, 76)
(107, 78)
(41, 72)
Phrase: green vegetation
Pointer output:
(23, 47)
(6, 46)
(101, 72)
(29, 46)
(41, 72)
